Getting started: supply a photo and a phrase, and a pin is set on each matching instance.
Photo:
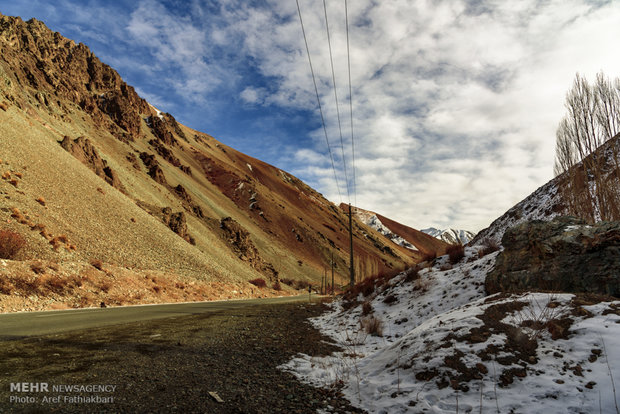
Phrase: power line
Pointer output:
(331, 59)
(316, 90)
(346, 15)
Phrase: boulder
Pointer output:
(565, 255)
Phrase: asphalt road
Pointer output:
(24, 324)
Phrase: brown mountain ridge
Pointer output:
(88, 162)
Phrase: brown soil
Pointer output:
(44, 285)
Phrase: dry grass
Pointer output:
(456, 252)
(259, 282)
(488, 246)
(10, 244)
(372, 325)
(367, 308)
(295, 284)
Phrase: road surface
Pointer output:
(24, 324)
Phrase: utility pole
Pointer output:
(351, 268)
(332, 272)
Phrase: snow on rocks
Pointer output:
(447, 348)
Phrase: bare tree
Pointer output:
(591, 185)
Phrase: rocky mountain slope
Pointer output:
(450, 236)
(417, 243)
(547, 202)
(91, 172)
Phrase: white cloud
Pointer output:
(456, 103)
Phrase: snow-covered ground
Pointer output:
(447, 348)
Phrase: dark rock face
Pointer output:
(49, 66)
(177, 223)
(240, 242)
(561, 255)
(154, 170)
(82, 149)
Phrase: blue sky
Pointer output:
(455, 103)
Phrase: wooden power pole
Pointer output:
(351, 268)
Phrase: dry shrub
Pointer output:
(287, 281)
(10, 244)
(54, 283)
(41, 201)
(156, 289)
(4, 106)
(301, 284)
(6, 175)
(366, 308)
(6, 287)
(422, 285)
(456, 252)
(488, 246)
(429, 257)
(259, 282)
(105, 286)
(411, 274)
(391, 298)
(372, 325)
(277, 286)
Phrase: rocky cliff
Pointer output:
(564, 255)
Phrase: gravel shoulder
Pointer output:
(171, 365)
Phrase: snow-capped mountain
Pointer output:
(414, 240)
(451, 236)
(374, 222)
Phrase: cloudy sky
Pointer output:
(455, 103)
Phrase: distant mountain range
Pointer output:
(416, 241)
(450, 236)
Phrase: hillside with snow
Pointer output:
(450, 236)
(431, 341)
(415, 241)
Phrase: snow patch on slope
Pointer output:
(373, 221)
(427, 332)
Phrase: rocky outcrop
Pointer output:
(82, 149)
(241, 243)
(153, 168)
(52, 68)
(561, 255)
(168, 155)
(177, 223)
(161, 131)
